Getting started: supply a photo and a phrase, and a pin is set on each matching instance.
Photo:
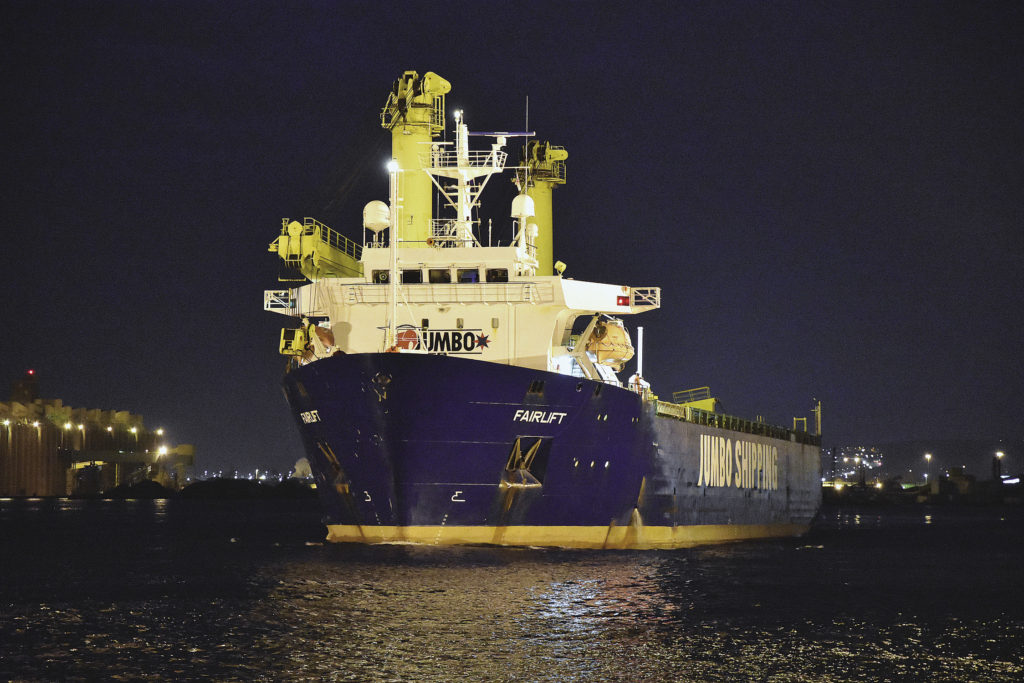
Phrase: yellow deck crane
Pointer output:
(544, 164)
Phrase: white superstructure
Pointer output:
(451, 294)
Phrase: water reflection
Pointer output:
(161, 591)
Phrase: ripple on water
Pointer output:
(869, 601)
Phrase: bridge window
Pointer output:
(497, 274)
(381, 277)
(412, 276)
(468, 275)
(440, 276)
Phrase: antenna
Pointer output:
(526, 148)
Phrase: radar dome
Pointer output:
(376, 216)
(522, 206)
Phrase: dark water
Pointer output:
(245, 590)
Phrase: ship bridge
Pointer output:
(426, 284)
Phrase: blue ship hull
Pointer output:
(438, 449)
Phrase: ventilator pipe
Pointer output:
(640, 351)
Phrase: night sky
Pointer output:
(829, 194)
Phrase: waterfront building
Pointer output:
(50, 449)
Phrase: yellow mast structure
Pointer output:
(414, 113)
(545, 166)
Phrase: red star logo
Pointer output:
(482, 341)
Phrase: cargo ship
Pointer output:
(451, 389)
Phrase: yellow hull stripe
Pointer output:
(611, 537)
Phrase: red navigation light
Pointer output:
(31, 372)
(622, 301)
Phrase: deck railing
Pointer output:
(691, 395)
(456, 293)
(445, 158)
(279, 300)
(645, 296)
(311, 226)
(733, 423)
